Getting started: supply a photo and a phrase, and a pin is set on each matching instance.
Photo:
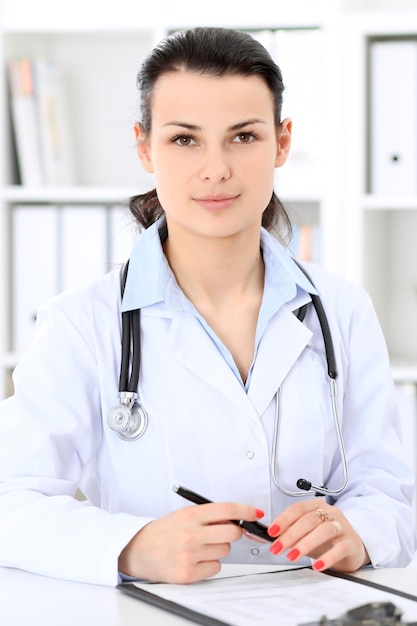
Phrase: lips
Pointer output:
(216, 202)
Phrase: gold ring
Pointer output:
(322, 515)
(337, 526)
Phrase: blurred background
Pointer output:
(68, 101)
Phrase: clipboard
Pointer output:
(369, 583)
(179, 603)
(169, 605)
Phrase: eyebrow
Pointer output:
(234, 127)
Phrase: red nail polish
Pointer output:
(293, 555)
(276, 547)
(318, 565)
(273, 531)
(259, 513)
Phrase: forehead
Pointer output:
(185, 93)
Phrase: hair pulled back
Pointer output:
(216, 52)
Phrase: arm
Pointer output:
(49, 433)
(373, 515)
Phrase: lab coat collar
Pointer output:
(150, 279)
(283, 341)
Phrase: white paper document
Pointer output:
(285, 597)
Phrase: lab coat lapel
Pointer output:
(198, 353)
(283, 341)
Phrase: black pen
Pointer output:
(254, 528)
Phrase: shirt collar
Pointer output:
(150, 279)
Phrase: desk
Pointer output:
(31, 600)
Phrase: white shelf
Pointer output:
(16, 194)
(128, 15)
(404, 372)
(371, 202)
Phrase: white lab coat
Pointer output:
(204, 432)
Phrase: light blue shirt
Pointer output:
(150, 280)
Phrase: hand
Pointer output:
(186, 545)
(318, 530)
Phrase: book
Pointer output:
(40, 121)
(54, 129)
(24, 116)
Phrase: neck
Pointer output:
(217, 269)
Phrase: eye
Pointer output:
(247, 137)
(183, 140)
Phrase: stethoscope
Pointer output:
(302, 483)
(129, 419)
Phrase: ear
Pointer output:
(283, 141)
(142, 147)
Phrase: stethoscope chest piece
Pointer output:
(128, 419)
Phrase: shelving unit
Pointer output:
(99, 51)
(366, 238)
(380, 229)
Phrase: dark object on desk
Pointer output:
(372, 614)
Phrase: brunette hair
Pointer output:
(217, 52)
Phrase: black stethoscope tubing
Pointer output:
(324, 325)
(131, 347)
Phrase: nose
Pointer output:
(215, 166)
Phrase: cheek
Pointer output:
(170, 185)
(260, 172)
(169, 168)
(166, 172)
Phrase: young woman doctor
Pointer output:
(221, 347)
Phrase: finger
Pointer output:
(216, 512)
(200, 571)
(190, 572)
(318, 540)
(221, 533)
(214, 551)
(305, 525)
(296, 523)
(312, 533)
(346, 555)
(331, 558)
(293, 513)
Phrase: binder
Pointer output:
(82, 241)
(34, 267)
(123, 231)
(300, 54)
(393, 117)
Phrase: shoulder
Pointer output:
(332, 286)
(348, 307)
(98, 299)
